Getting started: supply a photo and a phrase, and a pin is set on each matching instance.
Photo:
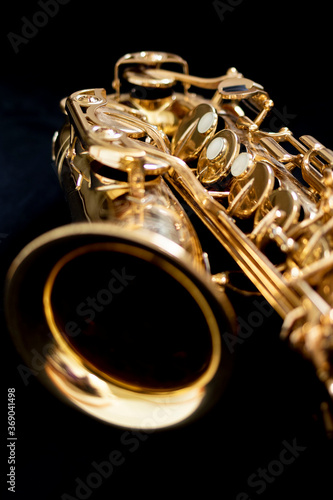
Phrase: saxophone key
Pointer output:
(287, 205)
(255, 187)
(217, 156)
(194, 131)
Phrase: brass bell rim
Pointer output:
(106, 400)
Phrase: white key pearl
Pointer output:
(240, 164)
(215, 147)
(205, 122)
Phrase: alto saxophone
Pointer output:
(124, 306)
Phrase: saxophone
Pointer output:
(124, 306)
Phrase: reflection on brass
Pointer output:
(286, 202)
(194, 131)
(217, 156)
(256, 187)
(125, 309)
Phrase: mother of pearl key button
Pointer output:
(241, 164)
(215, 148)
(206, 122)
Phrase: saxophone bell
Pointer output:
(127, 331)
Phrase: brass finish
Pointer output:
(217, 157)
(286, 202)
(248, 193)
(120, 154)
(194, 131)
(149, 58)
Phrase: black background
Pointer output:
(273, 396)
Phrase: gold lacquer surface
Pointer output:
(217, 156)
(254, 188)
